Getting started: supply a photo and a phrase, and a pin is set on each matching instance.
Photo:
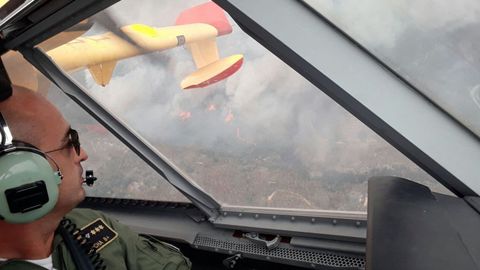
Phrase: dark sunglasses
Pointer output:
(73, 141)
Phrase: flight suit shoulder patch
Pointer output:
(97, 235)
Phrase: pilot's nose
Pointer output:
(83, 154)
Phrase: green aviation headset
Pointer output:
(28, 183)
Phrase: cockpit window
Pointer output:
(230, 115)
(435, 46)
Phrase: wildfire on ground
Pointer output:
(211, 107)
(184, 115)
(229, 117)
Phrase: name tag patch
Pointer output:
(97, 235)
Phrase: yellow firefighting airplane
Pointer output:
(197, 28)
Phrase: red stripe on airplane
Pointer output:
(224, 74)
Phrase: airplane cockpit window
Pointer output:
(231, 116)
(435, 46)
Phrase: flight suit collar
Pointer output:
(19, 265)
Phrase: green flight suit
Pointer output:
(119, 247)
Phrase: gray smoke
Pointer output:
(434, 44)
(381, 23)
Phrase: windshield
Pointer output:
(433, 45)
(236, 120)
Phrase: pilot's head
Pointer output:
(34, 120)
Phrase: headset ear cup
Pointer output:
(28, 186)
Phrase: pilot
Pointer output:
(39, 232)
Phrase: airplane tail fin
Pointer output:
(102, 73)
(210, 68)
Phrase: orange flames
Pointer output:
(211, 107)
(229, 117)
(185, 115)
